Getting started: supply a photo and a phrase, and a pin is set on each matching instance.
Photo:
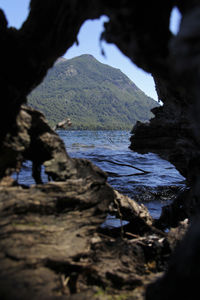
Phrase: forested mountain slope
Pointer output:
(93, 95)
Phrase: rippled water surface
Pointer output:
(109, 149)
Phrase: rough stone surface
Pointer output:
(52, 245)
(131, 210)
(37, 261)
(172, 133)
(181, 279)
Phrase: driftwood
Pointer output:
(63, 124)
(127, 165)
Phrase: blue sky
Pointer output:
(17, 10)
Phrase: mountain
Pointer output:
(93, 95)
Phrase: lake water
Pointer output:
(109, 149)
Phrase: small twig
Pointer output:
(64, 281)
(105, 236)
(139, 240)
(133, 235)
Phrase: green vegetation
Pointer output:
(93, 95)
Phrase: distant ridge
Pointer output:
(60, 60)
(93, 95)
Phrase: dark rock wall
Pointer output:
(174, 132)
(141, 31)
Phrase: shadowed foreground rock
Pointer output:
(177, 283)
(51, 243)
(45, 234)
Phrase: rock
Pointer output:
(169, 197)
(7, 182)
(48, 232)
(51, 245)
(176, 234)
(127, 209)
(14, 145)
(36, 141)
(180, 281)
(175, 212)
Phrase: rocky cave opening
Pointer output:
(164, 193)
(51, 244)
